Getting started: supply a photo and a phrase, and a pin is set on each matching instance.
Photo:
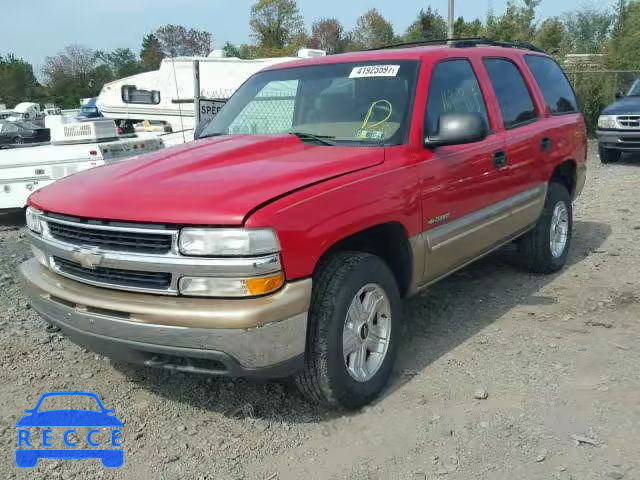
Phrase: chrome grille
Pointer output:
(114, 276)
(135, 257)
(110, 239)
(629, 121)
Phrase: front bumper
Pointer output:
(259, 337)
(621, 140)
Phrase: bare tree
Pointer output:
(177, 40)
(328, 34)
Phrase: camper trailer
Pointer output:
(167, 94)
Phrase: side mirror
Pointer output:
(619, 95)
(458, 129)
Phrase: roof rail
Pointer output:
(464, 43)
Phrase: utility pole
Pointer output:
(451, 19)
(196, 93)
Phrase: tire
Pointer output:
(326, 378)
(535, 248)
(609, 156)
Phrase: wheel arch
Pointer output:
(389, 241)
(566, 174)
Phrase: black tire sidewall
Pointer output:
(347, 391)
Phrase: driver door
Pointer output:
(460, 184)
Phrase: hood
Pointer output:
(624, 106)
(215, 181)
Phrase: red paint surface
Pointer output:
(313, 196)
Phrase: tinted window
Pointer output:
(454, 88)
(511, 90)
(554, 84)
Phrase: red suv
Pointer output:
(283, 241)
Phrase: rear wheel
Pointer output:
(353, 331)
(609, 156)
(545, 249)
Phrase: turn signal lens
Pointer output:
(260, 286)
(230, 287)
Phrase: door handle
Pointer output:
(546, 144)
(500, 159)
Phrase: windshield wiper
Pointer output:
(324, 139)
(208, 135)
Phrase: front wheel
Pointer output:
(353, 331)
(608, 156)
(545, 249)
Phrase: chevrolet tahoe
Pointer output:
(282, 242)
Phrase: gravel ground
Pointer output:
(556, 357)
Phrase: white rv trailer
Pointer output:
(167, 94)
(74, 147)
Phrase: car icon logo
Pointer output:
(65, 422)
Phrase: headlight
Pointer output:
(228, 242)
(33, 220)
(230, 287)
(607, 122)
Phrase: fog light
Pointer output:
(230, 287)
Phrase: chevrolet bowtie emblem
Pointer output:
(88, 258)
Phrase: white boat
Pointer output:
(74, 147)
(168, 94)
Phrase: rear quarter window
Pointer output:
(553, 83)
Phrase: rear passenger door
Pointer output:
(564, 125)
(524, 132)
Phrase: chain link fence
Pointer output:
(598, 88)
(271, 111)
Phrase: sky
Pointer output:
(35, 29)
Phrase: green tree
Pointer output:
(372, 30)
(151, 53)
(17, 81)
(463, 29)
(122, 62)
(552, 35)
(516, 24)
(74, 73)
(328, 34)
(276, 25)
(588, 30)
(428, 26)
(244, 50)
(624, 50)
(177, 41)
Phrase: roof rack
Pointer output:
(464, 43)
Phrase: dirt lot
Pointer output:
(559, 357)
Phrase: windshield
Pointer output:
(349, 103)
(634, 91)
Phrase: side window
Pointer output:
(131, 94)
(553, 83)
(454, 88)
(511, 90)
